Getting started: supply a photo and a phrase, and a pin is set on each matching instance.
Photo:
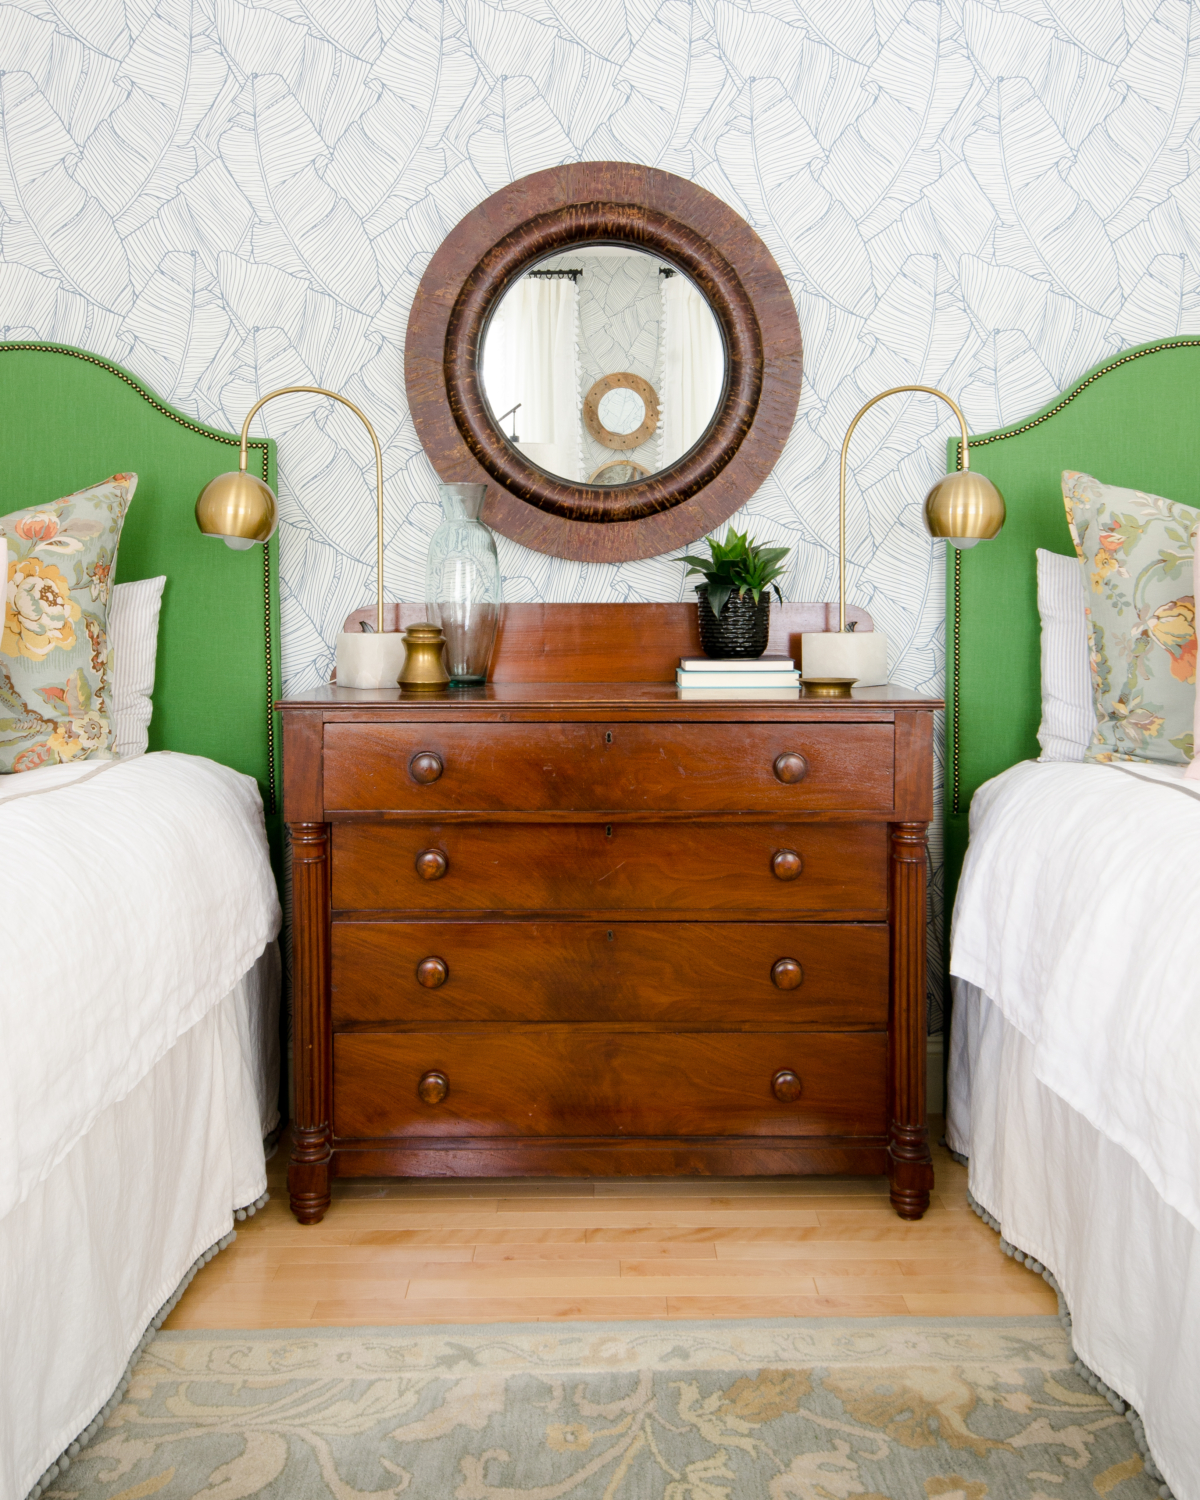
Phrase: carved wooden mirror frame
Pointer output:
(666, 216)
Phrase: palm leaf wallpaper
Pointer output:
(228, 197)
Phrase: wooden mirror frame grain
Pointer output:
(666, 216)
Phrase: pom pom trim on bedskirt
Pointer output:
(1114, 1399)
(63, 1462)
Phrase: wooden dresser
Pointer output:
(581, 927)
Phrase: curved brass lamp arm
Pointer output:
(896, 390)
(317, 390)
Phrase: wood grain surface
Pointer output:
(568, 1081)
(677, 974)
(599, 767)
(674, 867)
(528, 1250)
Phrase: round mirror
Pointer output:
(603, 347)
(592, 272)
(621, 412)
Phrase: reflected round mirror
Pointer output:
(621, 411)
(603, 347)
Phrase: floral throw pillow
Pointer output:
(1137, 556)
(54, 668)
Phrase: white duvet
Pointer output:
(1079, 915)
(135, 895)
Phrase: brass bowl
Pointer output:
(828, 687)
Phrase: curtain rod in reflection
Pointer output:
(551, 275)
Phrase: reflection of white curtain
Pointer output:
(693, 367)
(530, 355)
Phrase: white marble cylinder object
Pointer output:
(368, 659)
(861, 654)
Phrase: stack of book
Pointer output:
(737, 677)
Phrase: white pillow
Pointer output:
(1068, 710)
(133, 647)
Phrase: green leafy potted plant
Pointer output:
(734, 602)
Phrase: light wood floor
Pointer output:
(524, 1251)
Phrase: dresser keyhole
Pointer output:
(610, 937)
(608, 738)
(608, 830)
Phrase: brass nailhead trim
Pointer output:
(997, 437)
(217, 437)
(956, 669)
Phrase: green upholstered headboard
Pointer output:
(1132, 421)
(69, 419)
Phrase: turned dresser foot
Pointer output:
(308, 1175)
(910, 1169)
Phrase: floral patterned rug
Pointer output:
(820, 1409)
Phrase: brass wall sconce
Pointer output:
(242, 510)
(965, 507)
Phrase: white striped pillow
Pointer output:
(133, 647)
(1068, 710)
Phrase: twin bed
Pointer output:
(1075, 1051)
(139, 973)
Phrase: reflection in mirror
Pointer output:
(622, 411)
(592, 312)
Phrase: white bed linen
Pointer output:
(1076, 914)
(98, 1246)
(136, 894)
(1128, 1263)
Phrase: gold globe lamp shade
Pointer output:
(964, 508)
(238, 508)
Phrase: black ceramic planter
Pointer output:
(741, 629)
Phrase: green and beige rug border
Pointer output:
(960, 1408)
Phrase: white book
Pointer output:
(736, 664)
(737, 679)
(741, 694)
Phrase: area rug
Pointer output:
(805, 1409)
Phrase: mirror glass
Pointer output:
(621, 411)
(591, 314)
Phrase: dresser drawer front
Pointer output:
(721, 867)
(595, 1081)
(705, 974)
(601, 767)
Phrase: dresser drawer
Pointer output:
(753, 974)
(783, 869)
(701, 767)
(600, 1081)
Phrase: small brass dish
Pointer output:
(828, 687)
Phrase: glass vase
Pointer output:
(462, 580)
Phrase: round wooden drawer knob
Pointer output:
(434, 1087)
(431, 972)
(786, 1086)
(790, 768)
(786, 864)
(786, 974)
(432, 864)
(425, 767)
